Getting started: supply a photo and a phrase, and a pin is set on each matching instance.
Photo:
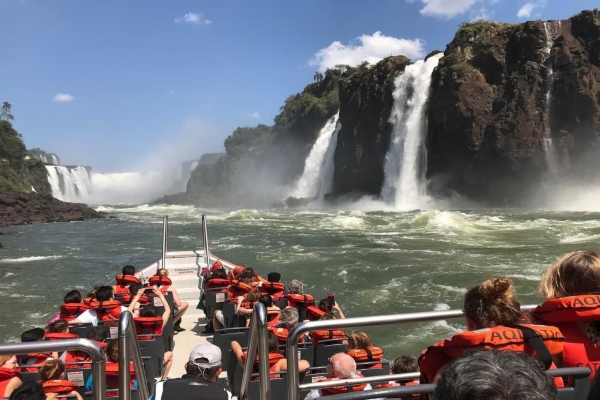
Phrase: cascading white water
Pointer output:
(550, 152)
(404, 184)
(317, 177)
(69, 183)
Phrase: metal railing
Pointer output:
(129, 348)
(258, 339)
(294, 386)
(85, 345)
(165, 242)
(205, 242)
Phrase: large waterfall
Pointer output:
(70, 183)
(404, 184)
(550, 29)
(317, 177)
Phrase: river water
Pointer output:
(375, 262)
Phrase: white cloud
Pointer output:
(446, 8)
(371, 48)
(62, 98)
(194, 18)
(481, 14)
(528, 8)
(254, 115)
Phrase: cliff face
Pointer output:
(366, 102)
(509, 100)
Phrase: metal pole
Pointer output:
(364, 379)
(251, 357)
(205, 241)
(85, 345)
(300, 329)
(165, 241)
(260, 315)
(129, 349)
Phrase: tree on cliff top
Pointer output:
(5, 114)
(12, 147)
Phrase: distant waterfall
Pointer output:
(70, 183)
(550, 152)
(317, 177)
(404, 184)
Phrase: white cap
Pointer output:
(208, 351)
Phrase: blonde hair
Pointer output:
(492, 303)
(252, 296)
(52, 369)
(5, 358)
(573, 274)
(162, 272)
(359, 340)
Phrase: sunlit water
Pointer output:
(376, 262)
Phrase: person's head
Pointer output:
(128, 270)
(98, 333)
(52, 369)
(104, 293)
(341, 365)
(327, 316)
(498, 375)
(162, 272)
(219, 273)
(245, 277)
(205, 361)
(112, 351)
(288, 318)
(134, 288)
(9, 361)
(266, 300)
(491, 304)
(32, 335)
(403, 365)
(252, 296)
(250, 272)
(58, 326)
(74, 296)
(274, 277)
(272, 342)
(359, 340)
(573, 274)
(325, 305)
(149, 312)
(296, 287)
(28, 390)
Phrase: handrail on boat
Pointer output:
(205, 241)
(165, 242)
(258, 338)
(85, 345)
(291, 352)
(130, 348)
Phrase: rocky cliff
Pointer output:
(504, 97)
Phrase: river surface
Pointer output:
(375, 262)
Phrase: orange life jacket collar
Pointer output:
(59, 387)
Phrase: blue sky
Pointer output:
(123, 84)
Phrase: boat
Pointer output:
(187, 270)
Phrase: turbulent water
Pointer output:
(376, 262)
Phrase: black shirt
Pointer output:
(190, 387)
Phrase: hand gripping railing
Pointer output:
(85, 345)
(205, 241)
(258, 338)
(129, 348)
(165, 243)
(294, 386)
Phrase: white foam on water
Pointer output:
(532, 278)
(580, 238)
(28, 259)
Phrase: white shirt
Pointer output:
(316, 393)
(90, 317)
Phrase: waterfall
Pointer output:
(404, 184)
(317, 177)
(70, 183)
(550, 152)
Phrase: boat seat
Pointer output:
(279, 388)
(365, 369)
(135, 394)
(313, 372)
(29, 376)
(231, 368)
(327, 348)
(79, 376)
(80, 330)
(168, 330)
(306, 351)
(231, 319)
(223, 337)
(214, 299)
(154, 349)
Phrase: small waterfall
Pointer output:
(550, 153)
(317, 177)
(404, 184)
(72, 184)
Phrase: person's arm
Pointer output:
(134, 306)
(12, 385)
(339, 310)
(236, 349)
(176, 299)
(242, 310)
(167, 313)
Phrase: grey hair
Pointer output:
(497, 375)
(296, 287)
(288, 318)
(344, 366)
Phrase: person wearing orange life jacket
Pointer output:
(360, 347)
(217, 280)
(402, 365)
(272, 310)
(277, 362)
(112, 371)
(98, 334)
(126, 278)
(58, 330)
(330, 334)
(10, 378)
(571, 287)
(52, 378)
(273, 286)
(126, 298)
(339, 366)
(493, 319)
(71, 309)
(162, 281)
(288, 319)
(245, 304)
(104, 308)
(29, 362)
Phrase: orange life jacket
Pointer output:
(565, 313)
(148, 326)
(59, 386)
(314, 313)
(273, 320)
(107, 310)
(282, 334)
(60, 336)
(80, 356)
(495, 338)
(112, 377)
(217, 283)
(273, 288)
(126, 298)
(161, 282)
(70, 311)
(273, 360)
(123, 282)
(235, 272)
(249, 305)
(6, 374)
(300, 300)
(239, 288)
(341, 389)
(37, 358)
(366, 355)
(394, 384)
(88, 300)
(317, 336)
(216, 266)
